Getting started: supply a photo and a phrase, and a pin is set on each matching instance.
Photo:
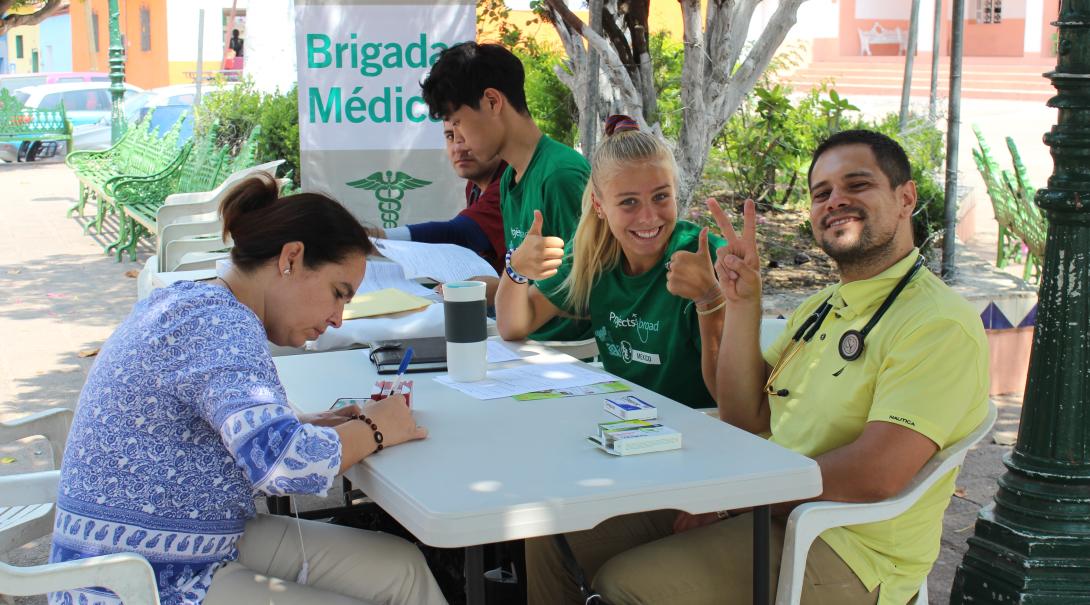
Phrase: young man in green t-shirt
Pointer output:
(478, 88)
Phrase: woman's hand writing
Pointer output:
(394, 420)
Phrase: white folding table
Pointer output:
(502, 469)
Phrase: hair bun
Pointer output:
(618, 123)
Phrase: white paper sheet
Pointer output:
(509, 382)
(441, 262)
(498, 353)
(382, 274)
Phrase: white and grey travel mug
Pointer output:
(464, 308)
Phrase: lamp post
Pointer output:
(117, 73)
(1032, 544)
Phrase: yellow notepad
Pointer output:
(383, 302)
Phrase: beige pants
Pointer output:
(346, 566)
(638, 559)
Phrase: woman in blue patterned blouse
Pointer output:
(183, 421)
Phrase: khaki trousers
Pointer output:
(638, 559)
(346, 566)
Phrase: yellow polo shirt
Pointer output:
(924, 367)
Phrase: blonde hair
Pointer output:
(594, 249)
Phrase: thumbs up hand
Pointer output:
(690, 274)
(538, 256)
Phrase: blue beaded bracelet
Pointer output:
(510, 271)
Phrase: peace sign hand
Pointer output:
(738, 266)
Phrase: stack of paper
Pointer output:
(525, 379)
(441, 262)
(381, 275)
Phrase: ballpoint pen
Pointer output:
(405, 360)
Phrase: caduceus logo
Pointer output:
(389, 188)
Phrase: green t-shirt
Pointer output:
(553, 183)
(645, 334)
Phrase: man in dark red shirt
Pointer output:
(479, 226)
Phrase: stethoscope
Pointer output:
(851, 342)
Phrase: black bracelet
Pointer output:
(374, 428)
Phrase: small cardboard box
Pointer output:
(627, 437)
(630, 407)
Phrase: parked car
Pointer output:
(84, 103)
(16, 81)
(168, 103)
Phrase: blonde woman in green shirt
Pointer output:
(644, 278)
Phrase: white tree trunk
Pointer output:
(715, 77)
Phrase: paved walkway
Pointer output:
(60, 296)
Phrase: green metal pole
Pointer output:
(1032, 545)
(117, 73)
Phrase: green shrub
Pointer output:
(550, 101)
(239, 109)
(667, 56)
(926, 148)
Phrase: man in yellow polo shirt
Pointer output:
(868, 389)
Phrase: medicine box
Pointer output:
(626, 437)
(630, 407)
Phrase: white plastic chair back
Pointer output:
(128, 575)
(32, 516)
(771, 328)
(809, 520)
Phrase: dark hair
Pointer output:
(618, 123)
(260, 223)
(891, 157)
(462, 73)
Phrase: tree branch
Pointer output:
(756, 61)
(734, 39)
(16, 20)
(569, 18)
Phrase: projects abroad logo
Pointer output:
(642, 326)
(389, 188)
(517, 234)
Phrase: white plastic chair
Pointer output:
(771, 327)
(128, 575)
(32, 518)
(194, 216)
(809, 520)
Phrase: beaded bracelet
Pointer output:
(515, 276)
(374, 428)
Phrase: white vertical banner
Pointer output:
(365, 137)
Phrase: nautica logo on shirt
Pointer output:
(643, 327)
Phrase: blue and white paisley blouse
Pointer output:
(181, 422)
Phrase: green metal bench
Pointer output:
(140, 152)
(1020, 220)
(17, 123)
(204, 169)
